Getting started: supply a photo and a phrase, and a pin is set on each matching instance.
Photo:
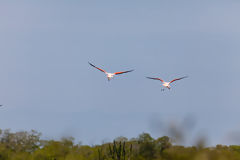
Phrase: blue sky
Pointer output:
(47, 84)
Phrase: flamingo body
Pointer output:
(166, 84)
(110, 76)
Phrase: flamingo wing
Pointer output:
(155, 79)
(116, 73)
(97, 67)
(177, 79)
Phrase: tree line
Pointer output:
(29, 146)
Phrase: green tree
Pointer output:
(146, 146)
(121, 139)
(163, 143)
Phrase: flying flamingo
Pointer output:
(166, 84)
(110, 75)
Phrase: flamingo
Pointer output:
(167, 84)
(110, 75)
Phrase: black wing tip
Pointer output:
(128, 71)
(149, 77)
(91, 64)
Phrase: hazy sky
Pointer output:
(47, 84)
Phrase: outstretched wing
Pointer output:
(97, 67)
(156, 79)
(177, 79)
(116, 73)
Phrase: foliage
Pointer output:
(29, 146)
